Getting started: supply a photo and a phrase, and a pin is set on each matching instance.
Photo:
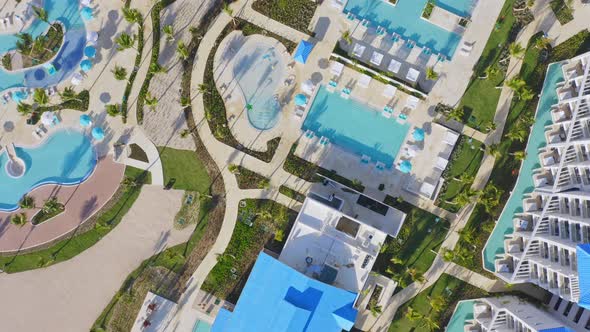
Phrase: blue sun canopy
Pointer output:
(303, 51)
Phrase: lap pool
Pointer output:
(65, 157)
(405, 19)
(524, 183)
(355, 127)
(463, 313)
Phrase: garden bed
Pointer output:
(33, 53)
(428, 9)
(43, 215)
(261, 224)
(294, 13)
(562, 11)
(248, 179)
(292, 193)
(463, 164)
(215, 111)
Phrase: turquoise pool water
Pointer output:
(259, 71)
(524, 183)
(460, 7)
(463, 312)
(68, 13)
(201, 326)
(355, 127)
(405, 19)
(66, 157)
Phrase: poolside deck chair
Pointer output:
(387, 112)
(451, 137)
(381, 30)
(336, 68)
(332, 85)
(358, 50)
(402, 118)
(380, 166)
(413, 75)
(376, 58)
(364, 81)
(345, 93)
(412, 102)
(324, 141)
(466, 48)
(299, 111)
(441, 163)
(394, 66)
(389, 91)
(365, 159)
(395, 37)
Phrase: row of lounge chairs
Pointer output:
(394, 66)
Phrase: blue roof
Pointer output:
(303, 51)
(278, 298)
(583, 254)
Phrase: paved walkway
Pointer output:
(70, 295)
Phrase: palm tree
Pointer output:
(37, 46)
(437, 303)
(120, 73)
(375, 309)
(464, 178)
(182, 51)
(51, 205)
(464, 197)
(519, 155)
(156, 68)
(518, 133)
(40, 97)
(542, 43)
(184, 133)
(125, 41)
(113, 109)
(415, 275)
(493, 150)
(413, 315)
(347, 37)
(233, 168)
(490, 197)
(491, 126)
(18, 219)
(132, 15)
(27, 202)
(203, 88)
(68, 94)
(430, 324)
(396, 260)
(456, 114)
(447, 255)
(489, 71)
(230, 12)
(185, 102)
(24, 42)
(467, 235)
(151, 102)
(24, 108)
(431, 74)
(516, 50)
(526, 94)
(41, 14)
(515, 84)
(168, 30)
(399, 278)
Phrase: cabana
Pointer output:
(376, 58)
(303, 51)
(358, 50)
(413, 75)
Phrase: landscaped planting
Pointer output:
(562, 11)
(91, 232)
(432, 309)
(261, 224)
(292, 193)
(136, 65)
(294, 13)
(36, 51)
(408, 256)
(248, 179)
(460, 173)
(215, 111)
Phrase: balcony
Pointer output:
(561, 113)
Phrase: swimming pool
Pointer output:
(65, 157)
(67, 60)
(356, 127)
(463, 312)
(258, 71)
(201, 326)
(405, 19)
(524, 183)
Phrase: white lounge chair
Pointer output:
(364, 81)
(358, 50)
(451, 137)
(427, 190)
(466, 49)
(365, 159)
(387, 112)
(336, 68)
(441, 163)
(376, 58)
(413, 75)
(345, 93)
(394, 66)
(389, 91)
(299, 111)
(412, 102)
(308, 87)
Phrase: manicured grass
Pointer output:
(416, 244)
(294, 13)
(271, 223)
(185, 168)
(63, 250)
(562, 11)
(465, 159)
(450, 288)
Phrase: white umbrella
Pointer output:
(77, 79)
(307, 87)
(85, 2)
(47, 118)
(92, 36)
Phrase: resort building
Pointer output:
(508, 313)
(548, 241)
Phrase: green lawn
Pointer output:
(481, 97)
(450, 288)
(416, 244)
(187, 170)
(466, 159)
(271, 223)
(108, 218)
(294, 13)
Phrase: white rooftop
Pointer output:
(324, 240)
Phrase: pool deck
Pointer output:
(81, 202)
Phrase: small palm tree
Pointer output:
(447, 255)
(489, 72)
(27, 202)
(169, 32)
(113, 109)
(413, 315)
(437, 303)
(374, 308)
(526, 94)
(185, 102)
(18, 219)
(182, 51)
(430, 324)
(542, 43)
(184, 133)
(491, 126)
(431, 74)
(24, 42)
(347, 37)
(41, 14)
(415, 275)
(464, 178)
(515, 84)
(203, 88)
(464, 197)
(456, 114)
(156, 68)
(490, 197)
(519, 155)
(230, 12)
(51, 205)
(517, 133)
(120, 73)
(38, 45)
(40, 97)
(233, 168)
(150, 101)
(494, 150)
(24, 108)
(516, 50)
(125, 41)
(68, 93)
(132, 15)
